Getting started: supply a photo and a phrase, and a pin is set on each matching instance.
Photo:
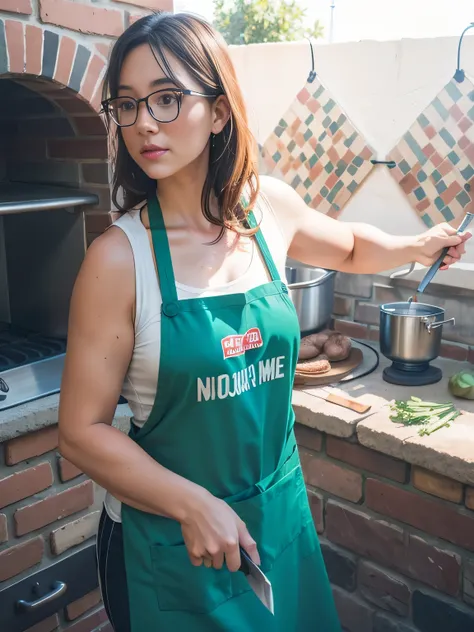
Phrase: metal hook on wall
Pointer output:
(459, 75)
(391, 164)
(312, 75)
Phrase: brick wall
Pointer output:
(53, 55)
(106, 18)
(358, 297)
(48, 509)
(398, 540)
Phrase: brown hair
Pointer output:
(204, 53)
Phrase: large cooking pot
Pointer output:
(410, 333)
(312, 292)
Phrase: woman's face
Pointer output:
(164, 149)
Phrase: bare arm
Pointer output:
(100, 345)
(319, 240)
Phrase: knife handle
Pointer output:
(244, 562)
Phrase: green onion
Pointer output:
(431, 416)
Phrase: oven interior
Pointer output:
(42, 246)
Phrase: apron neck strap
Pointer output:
(163, 254)
(262, 244)
(161, 247)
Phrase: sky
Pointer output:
(376, 19)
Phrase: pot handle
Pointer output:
(313, 283)
(402, 273)
(430, 326)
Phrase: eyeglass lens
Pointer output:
(164, 105)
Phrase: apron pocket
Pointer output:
(279, 514)
(181, 586)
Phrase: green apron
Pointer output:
(223, 418)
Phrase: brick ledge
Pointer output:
(448, 451)
(458, 280)
(42, 413)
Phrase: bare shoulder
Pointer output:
(283, 198)
(276, 189)
(107, 274)
(285, 202)
(100, 334)
(110, 252)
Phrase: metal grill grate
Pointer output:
(18, 348)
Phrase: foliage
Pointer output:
(261, 21)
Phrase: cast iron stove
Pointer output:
(412, 373)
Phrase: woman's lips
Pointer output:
(153, 154)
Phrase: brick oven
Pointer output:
(54, 200)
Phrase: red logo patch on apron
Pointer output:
(237, 345)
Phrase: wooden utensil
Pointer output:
(345, 402)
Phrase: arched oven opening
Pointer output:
(54, 200)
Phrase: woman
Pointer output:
(181, 307)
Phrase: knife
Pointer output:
(257, 580)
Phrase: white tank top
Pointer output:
(140, 384)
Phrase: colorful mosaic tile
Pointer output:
(317, 150)
(435, 158)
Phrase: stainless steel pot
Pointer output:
(312, 292)
(411, 332)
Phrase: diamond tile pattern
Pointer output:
(435, 158)
(317, 150)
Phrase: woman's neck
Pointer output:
(181, 198)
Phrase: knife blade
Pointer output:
(258, 581)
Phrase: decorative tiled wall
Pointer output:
(318, 151)
(435, 158)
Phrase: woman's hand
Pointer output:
(434, 240)
(213, 532)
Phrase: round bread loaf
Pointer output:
(316, 366)
(312, 345)
(337, 347)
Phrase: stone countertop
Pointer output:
(40, 413)
(448, 451)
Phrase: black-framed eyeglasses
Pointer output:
(163, 105)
